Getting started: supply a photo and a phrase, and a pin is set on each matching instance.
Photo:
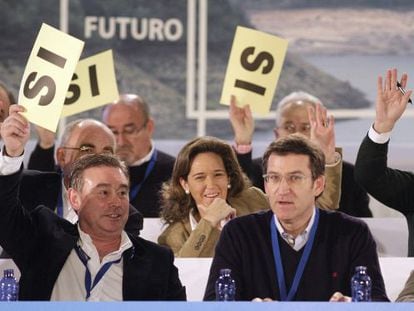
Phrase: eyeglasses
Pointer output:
(293, 179)
(130, 130)
(291, 128)
(87, 149)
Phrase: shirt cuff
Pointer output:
(10, 165)
(377, 137)
(242, 149)
(338, 158)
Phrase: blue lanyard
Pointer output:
(302, 263)
(89, 286)
(59, 207)
(134, 191)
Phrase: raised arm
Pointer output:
(323, 133)
(16, 227)
(42, 157)
(242, 122)
(391, 103)
(391, 187)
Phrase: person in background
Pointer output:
(6, 99)
(130, 120)
(407, 294)
(55, 257)
(322, 129)
(296, 251)
(391, 187)
(206, 190)
(79, 138)
(295, 114)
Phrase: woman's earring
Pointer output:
(228, 186)
(187, 191)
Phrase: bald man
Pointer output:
(130, 121)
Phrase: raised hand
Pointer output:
(15, 131)
(322, 131)
(46, 137)
(391, 103)
(241, 120)
(216, 212)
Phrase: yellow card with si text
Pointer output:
(47, 76)
(253, 70)
(93, 84)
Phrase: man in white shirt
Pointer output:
(93, 260)
(391, 187)
(79, 138)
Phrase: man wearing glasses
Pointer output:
(295, 251)
(292, 117)
(130, 121)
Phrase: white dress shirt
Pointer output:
(68, 212)
(146, 158)
(377, 137)
(10, 165)
(70, 284)
(300, 241)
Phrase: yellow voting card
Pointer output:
(47, 76)
(93, 84)
(253, 70)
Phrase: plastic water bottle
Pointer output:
(225, 286)
(361, 285)
(9, 287)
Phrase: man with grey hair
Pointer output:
(294, 114)
(130, 121)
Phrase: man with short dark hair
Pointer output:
(79, 138)
(93, 260)
(295, 251)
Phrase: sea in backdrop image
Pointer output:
(361, 72)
